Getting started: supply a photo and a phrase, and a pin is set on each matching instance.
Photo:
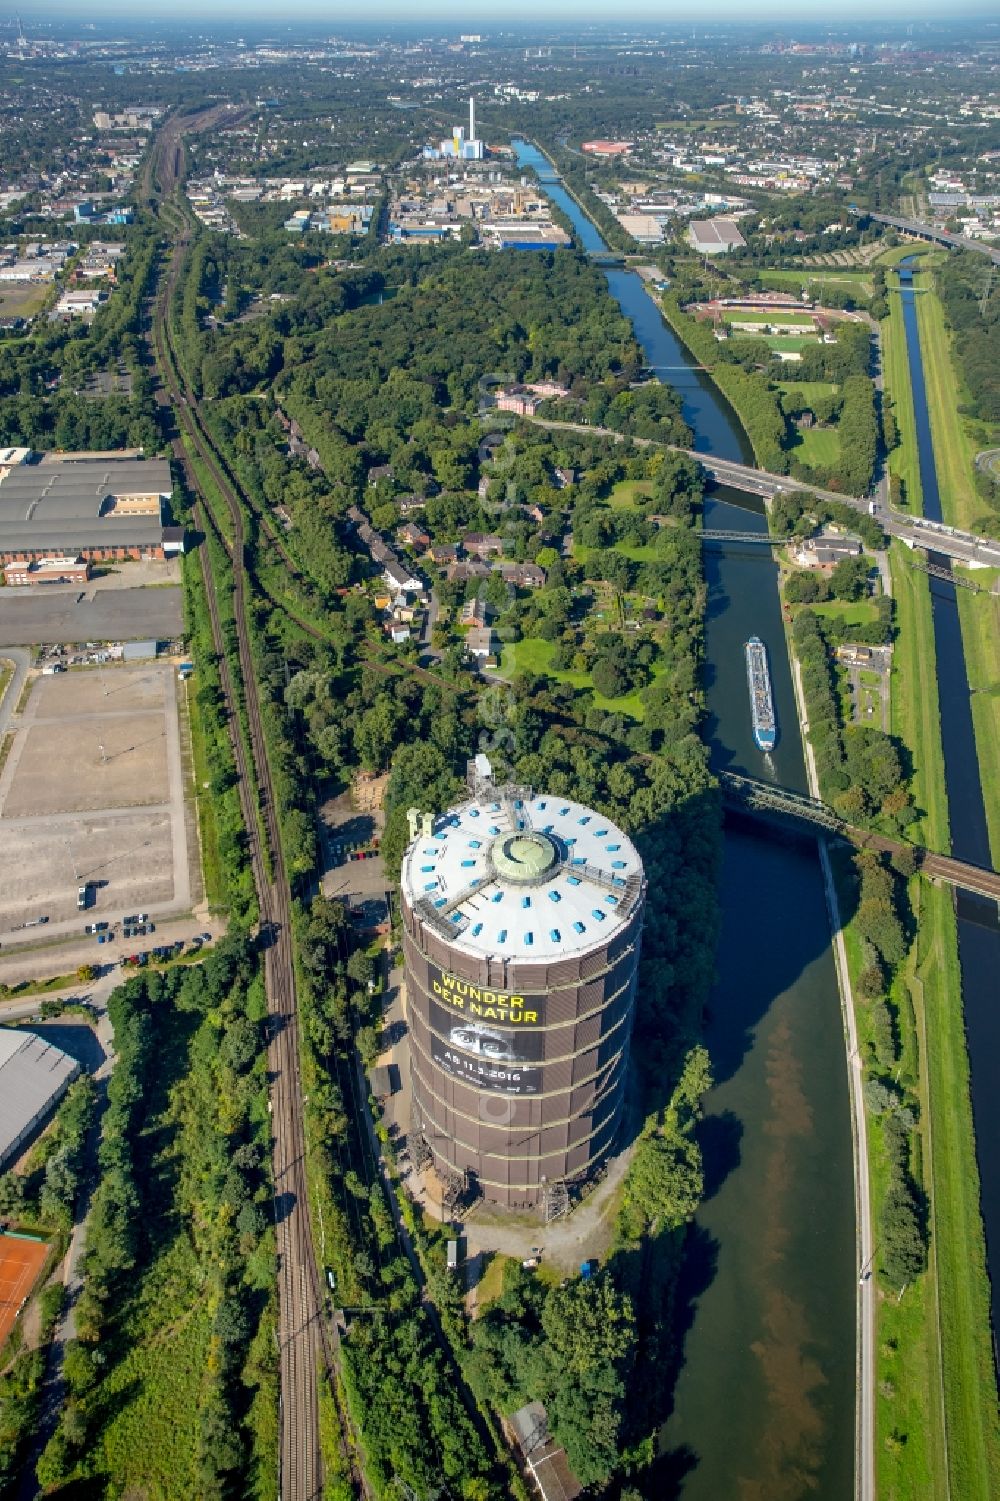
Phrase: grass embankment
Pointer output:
(6, 673)
(958, 1252)
(954, 449)
(936, 1407)
(937, 1434)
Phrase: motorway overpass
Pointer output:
(938, 236)
(967, 548)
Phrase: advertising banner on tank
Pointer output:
(480, 1003)
(484, 1059)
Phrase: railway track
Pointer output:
(305, 1343)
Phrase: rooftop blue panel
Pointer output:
(440, 901)
(555, 935)
(613, 849)
(431, 886)
(477, 928)
(554, 896)
(579, 859)
(497, 896)
(475, 844)
(425, 868)
(573, 880)
(529, 939)
(579, 927)
(526, 901)
(502, 936)
(468, 862)
(494, 829)
(473, 812)
(618, 865)
(585, 818)
(598, 914)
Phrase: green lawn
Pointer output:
(535, 655)
(818, 446)
(782, 280)
(6, 673)
(790, 343)
(861, 612)
(903, 460)
(808, 390)
(630, 492)
(958, 1257)
(773, 317)
(980, 618)
(646, 553)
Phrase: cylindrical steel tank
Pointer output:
(522, 919)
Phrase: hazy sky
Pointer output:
(467, 15)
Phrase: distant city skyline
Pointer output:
(514, 13)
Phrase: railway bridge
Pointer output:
(766, 800)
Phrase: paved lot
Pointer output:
(45, 617)
(340, 823)
(92, 791)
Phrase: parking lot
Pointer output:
(346, 831)
(43, 616)
(92, 793)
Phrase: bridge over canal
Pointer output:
(767, 800)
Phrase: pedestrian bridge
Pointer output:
(766, 799)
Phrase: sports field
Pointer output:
(20, 1263)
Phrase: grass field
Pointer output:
(818, 446)
(773, 317)
(903, 460)
(859, 612)
(6, 673)
(958, 1256)
(781, 281)
(630, 492)
(790, 343)
(808, 390)
(534, 655)
(24, 301)
(980, 617)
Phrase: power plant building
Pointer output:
(522, 919)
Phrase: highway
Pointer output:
(939, 236)
(916, 531)
(303, 1337)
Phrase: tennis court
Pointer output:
(20, 1263)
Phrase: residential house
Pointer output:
(379, 472)
(477, 613)
(413, 536)
(463, 573)
(482, 643)
(400, 579)
(444, 553)
(483, 544)
(522, 575)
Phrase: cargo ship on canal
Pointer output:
(765, 727)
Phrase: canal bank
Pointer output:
(978, 927)
(764, 1400)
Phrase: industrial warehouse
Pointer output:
(81, 508)
(34, 1076)
(522, 918)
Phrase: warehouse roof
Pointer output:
(33, 1076)
(78, 491)
(68, 507)
(716, 232)
(536, 877)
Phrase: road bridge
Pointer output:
(938, 236)
(968, 548)
(769, 800)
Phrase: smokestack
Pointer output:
(472, 118)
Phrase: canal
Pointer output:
(764, 1402)
(978, 930)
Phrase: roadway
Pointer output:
(914, 531)
(12, 693)
(939, 236)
